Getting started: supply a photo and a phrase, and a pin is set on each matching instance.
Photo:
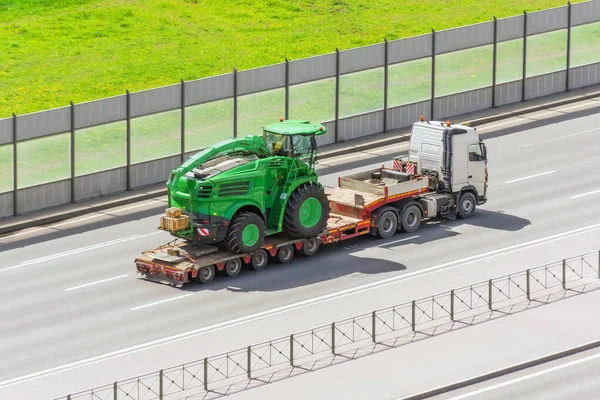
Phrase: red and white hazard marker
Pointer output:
(203, 232)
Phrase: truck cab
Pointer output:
(453, 155)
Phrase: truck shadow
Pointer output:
(353, 260)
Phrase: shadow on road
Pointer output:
(352, 259)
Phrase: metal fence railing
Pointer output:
(577, 275)
(111, 145)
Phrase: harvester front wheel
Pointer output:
(246, 233)
(307, 211)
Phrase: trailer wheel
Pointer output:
(387, 224)
(233, 267)
(411, 218)
(311, 246)
(466, 205)
(285, 254)
(206, 274)
(259, 259)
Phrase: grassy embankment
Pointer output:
(83, 50)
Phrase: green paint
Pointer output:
(310, 212)
(250, 235)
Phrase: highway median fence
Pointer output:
(85, 151)
(384, 328)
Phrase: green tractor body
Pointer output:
(241, 190)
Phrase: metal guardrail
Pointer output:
(457, 305)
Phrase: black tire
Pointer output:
(233, 267)
(285, 254)
(387, 224)
(311, 246)
(206, 274)
(466, 205)
(259, 260)
(234, 238)
(411, 218)
(292, 222)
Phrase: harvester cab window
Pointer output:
(302, 145)
(278, 144)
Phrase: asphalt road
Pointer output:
(70, 293)
(575, 377)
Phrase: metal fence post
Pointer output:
(568, 88)
(68, 397)
(287, 88)
(452, 305)
(333, 338)
(528, 285)
(116, 391)
(413, 319)
(249, 365)
(292, 350)
(598, 264)
(490, 295)
(564, 274)
(160, 384)
(373, 326)
(15, 185)
(72, 152)
(182, 120)
(432, 74)
(385, 85)
(206, 374)
(235, 103)
(337, 95)
(523, 91)
(495, 62)
(128, 142)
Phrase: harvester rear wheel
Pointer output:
(307, 211)
(246, 233)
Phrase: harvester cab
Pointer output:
(239, 191)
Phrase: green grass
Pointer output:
(82, 50)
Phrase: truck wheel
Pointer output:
(466, 205)
(311, 246)
(307, 211)
(206, 274)
(246, 233)
(259, 259)
(233, 267)
(411, 218)
(387, 224)
(285, 254)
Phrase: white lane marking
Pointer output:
(546, 141)
(520, 118)
(531, 176)
(526, 377)
(95, 215)
(398, 241)
(97, 282)
(161, 301)
(77, 251)
(293, 307)
(585, 194)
